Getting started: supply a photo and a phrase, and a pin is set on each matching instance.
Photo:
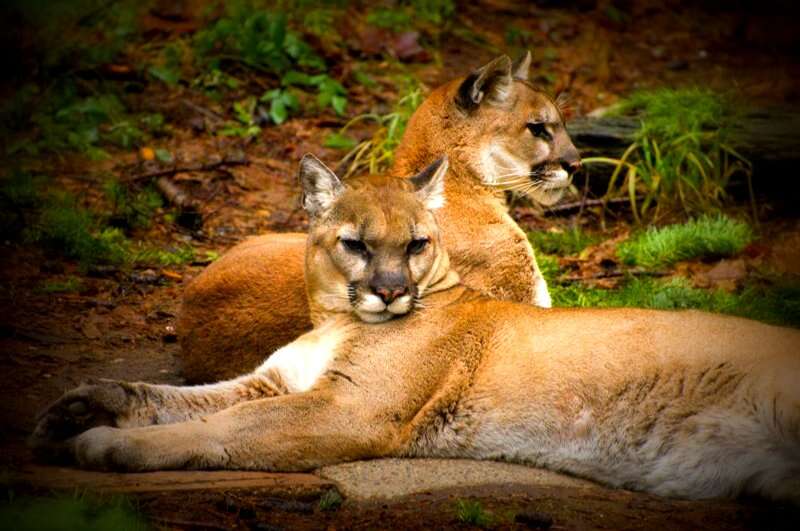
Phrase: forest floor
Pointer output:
(65, 317)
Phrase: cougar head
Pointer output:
(523, 143)
(374, 246)
(493, 121)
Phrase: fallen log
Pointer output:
(770, 135)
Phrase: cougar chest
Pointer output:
(302, 362)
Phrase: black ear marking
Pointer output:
(429, 183)
(491, 82)
(464, 94)
(422, 179)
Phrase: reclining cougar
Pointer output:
(683, 403)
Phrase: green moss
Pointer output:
(170, 257)
(63, 225)
(706, 237)
(668, 114)
(777, 304)
(68, 285)
(570, 241)
(548, 265)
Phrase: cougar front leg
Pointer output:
(288, 433)
(294, 368)
(125, 405)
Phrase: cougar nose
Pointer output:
(571, 165)
(389, 293)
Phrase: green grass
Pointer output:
(62, 120)
(683, 156)
(170, 257)
(61, 224)
(670, 113)
(68, 285)
(706, 237)
(132, 208)
(773, 300)
(58, 222)
(409, 13)
(377, 153)
(776, 304)
(473, 513)
(330, 501)
(70, 513)
(565, 242)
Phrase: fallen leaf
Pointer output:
(171, 274)
(406, 47)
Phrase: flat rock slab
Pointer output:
(272, 483)
(383, 479)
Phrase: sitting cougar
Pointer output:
(684, 404)
(499, 133)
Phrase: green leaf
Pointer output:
(339, 103)
(324, 99)
(293, 77)
(163, 155)
(270, 95)
(277, 111)
(340, 141)
(170, 76)
(290, 100)
(244, 110)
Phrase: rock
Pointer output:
(275, 484)
(392, 478)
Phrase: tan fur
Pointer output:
(249, 303)
(684, 404)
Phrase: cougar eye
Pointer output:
(417, 246)
(539, 131)
(355, 246)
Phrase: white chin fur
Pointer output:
(374, 318)
(371, 304)
(551, 188)
(371, 309)
(401, 305)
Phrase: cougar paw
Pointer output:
(101, 448)
(78, 410)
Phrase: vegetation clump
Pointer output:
(570, 241)
(777, 304)
(330, 501)
(377, 153)
(58, 222)
(683, 154)
(472, 512)
(706, 237)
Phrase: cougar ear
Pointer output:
(522, 66)
(429, 184)
(320, 185)
(491, 82)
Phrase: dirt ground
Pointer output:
(121, 323)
